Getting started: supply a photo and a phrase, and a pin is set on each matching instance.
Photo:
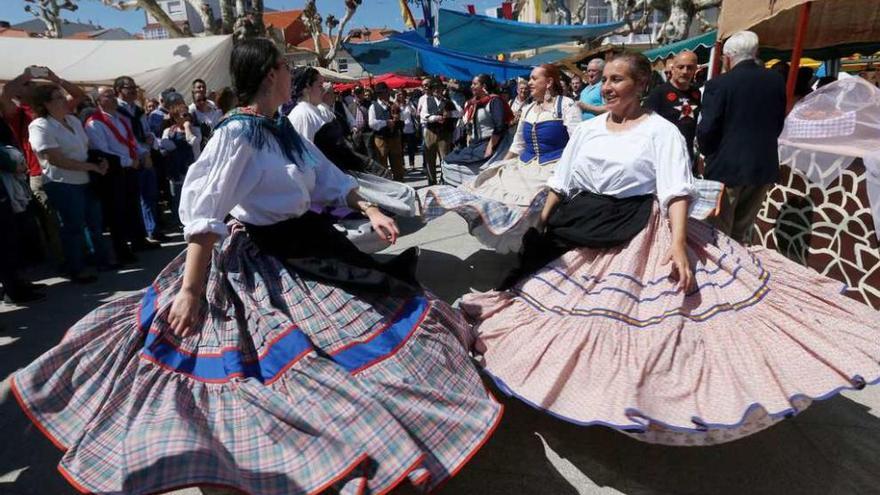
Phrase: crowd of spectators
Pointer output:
(74, 165)
(77, 165)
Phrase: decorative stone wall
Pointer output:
(828, 229)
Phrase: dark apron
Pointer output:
(312, 247)
(586, 220)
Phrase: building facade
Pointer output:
(183, 14)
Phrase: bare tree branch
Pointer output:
(49, 11)
(227, 15)
(152, 8)
(350, 9)
(679, 14)
(206, 14)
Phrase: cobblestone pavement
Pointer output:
(832, 448)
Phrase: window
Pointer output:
(175, 7)
(341, 65)
(158, 33)
(598, 14)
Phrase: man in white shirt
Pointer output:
(386, 125)
(522, 97)
(112, 135)
(205, 111)
(148, 185)
(431, 108)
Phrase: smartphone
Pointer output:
(38, 72)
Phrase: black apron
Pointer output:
(312, 247)
(586, 220)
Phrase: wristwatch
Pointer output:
(366, 205)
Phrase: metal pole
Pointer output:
(796, 52)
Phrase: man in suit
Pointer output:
(742, 117)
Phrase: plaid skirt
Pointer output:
(289, 386)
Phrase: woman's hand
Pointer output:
(386, 227)
(184, 311)
(681, 267)
(101, 167)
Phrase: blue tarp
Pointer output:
(407, 52)
(485, 35)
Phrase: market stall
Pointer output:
(824, 211)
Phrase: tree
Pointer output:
(680, 16)
(227, 15)
(206, 14)
(49, 11)
(314, 24)
(152, 8)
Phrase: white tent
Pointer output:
(336, 77)
(154, 64)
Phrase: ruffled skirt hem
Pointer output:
(603, 337)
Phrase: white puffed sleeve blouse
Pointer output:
(650, 158)
(256, 186)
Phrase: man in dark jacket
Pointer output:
(742, 117)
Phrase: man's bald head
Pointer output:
(107, 99)
(684, 68)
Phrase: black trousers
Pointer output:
(10, 247)
(119, 191)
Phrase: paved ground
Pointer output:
(832, 448)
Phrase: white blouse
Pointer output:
(532, 113)
(650, 158)
(307, 119)
(46, 133)
(256, 186)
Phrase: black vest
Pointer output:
(137, 126)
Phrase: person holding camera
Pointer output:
(14, 101)
(181, 144)
(61, 144)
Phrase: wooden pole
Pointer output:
(796, 52)
(715, 60)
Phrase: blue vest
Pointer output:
(544, 140)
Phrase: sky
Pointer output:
(371, 13)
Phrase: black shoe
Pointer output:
(83, 279)
(109, 267)
(145, 245)
(23, 297)
(158, 238)
(124, 256)
(32, 286)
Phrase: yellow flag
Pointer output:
(539, 7)
(408, 18)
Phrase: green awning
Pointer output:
(704, 41)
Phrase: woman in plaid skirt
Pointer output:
(627, 314)
(272, 357)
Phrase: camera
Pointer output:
(38, 72)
